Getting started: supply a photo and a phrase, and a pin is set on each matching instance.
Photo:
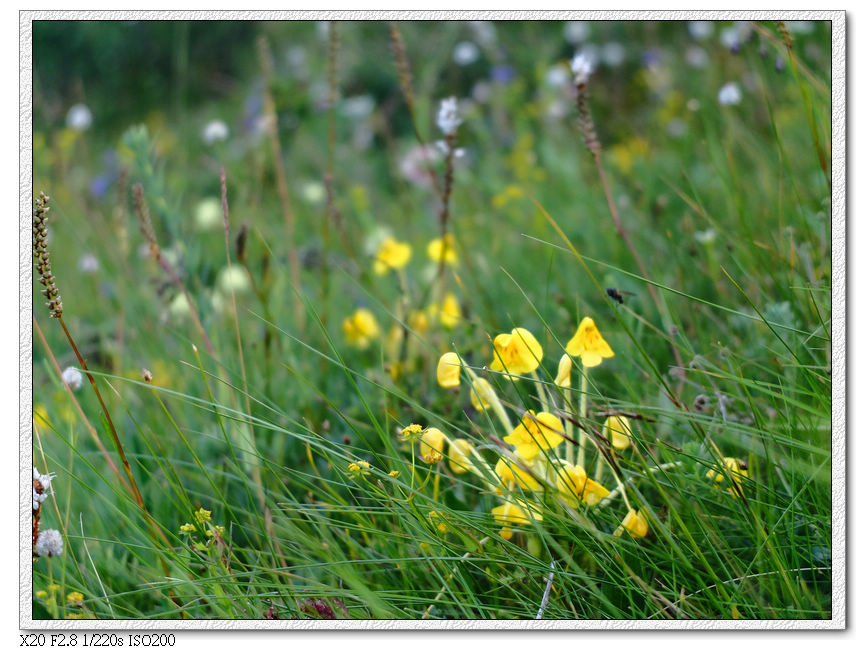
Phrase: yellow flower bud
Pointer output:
(448, 370)
(563, 377)
(482, 394)
(432, 444)
(458, 456)
(635, 523)
(617, 429)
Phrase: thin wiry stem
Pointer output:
(547, 589)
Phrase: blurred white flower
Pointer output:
(733, 36)
(705, 236)
(49, 543)
(800, 26)
(72, 377)
(233, 278)
(582, 66)
(693, 104)
(466, 53)
(88, 263)
(484, 31)
(415, 163)
(357, 107)
(482, 92)
(208, 214)
(179, 308)
(448, 118)
(676, 127)
(696, 57)
(557, 76)
(312, 192)
(613, 54)
(730, 94)
(44, 481)
(79, 118)
(576, 31)
(701, 29)
(214, 131)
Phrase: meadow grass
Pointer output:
(214, 325)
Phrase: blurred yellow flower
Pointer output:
(458, 456)
(202, 515)
(594, 492)
(509, 471)
(571, 482)
(391, 255)
(517, 353)
(482, 394)
(737, 469)
(534, 433)
(41, 594)
(588, 344)
(635, 523)
(449, 311)
(187, 528)
(563, 376)
(394, 473)
(418, 322)
(411, 432)
(443, 248)
(437, 519)
(75, 598)
(448, 370)
(618, 429)
(358, 469)
(512, 513)
(360, 328)
(432, 444)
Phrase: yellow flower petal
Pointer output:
(458, 456)
(443, 248)
(432, 444)
(360, 328)
(509, 471)
(618, 429)
(517, 353)
(536, 432)
(635, 523)
(571, 482)
(594, 492)
(448, 370)
(563, 376)
(391, 255)
(588, 344)
(482, 394)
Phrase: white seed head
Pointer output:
(449, 118)
(72, 376)
(79, 118)
(730, 94)
(49, 543)
(214, 131)
(582, 67)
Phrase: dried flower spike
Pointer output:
(40, 252)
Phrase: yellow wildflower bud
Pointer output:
(618, 429)
(358, 469)
(393, 473)
(411, 432)
(563, 377)
(448, 370)
(571, 482)
(391, 255)
(443, 248)
(218, 530)
(509, 471)
(482, 394)
(73, 617)
(534, 433)
(594, 493)
(449, 311)
(360, 328)
(437, 519)
(187, 528)
(635, 523)
(512, 513)
(75, 598)
(737, 469)
(589, 345)
(418, 322)
(517, 353)
(458, 456)
(202, 515)
(41, 594)
(432, 444)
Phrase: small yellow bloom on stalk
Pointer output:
(202, 515)
(517, 353)
(449, 311)
(432, 444)
(737, 469)
(412, 432)
(635, 523)
(512, 513)
(437, 519)
(534, 433)
(618, 429)
(571, 482)
(563, 377)
(458, 456)
(418, 322)
(589, 345)
(482, 394)
(41, 594)
(594, 493)
(219, 530)
(75, 598)
(187, 528)
(509, 472)
(391, 255)
(361, 328)
(73, 617)
(393, 473)
(448, 370)
(443, 248)
(358, 469)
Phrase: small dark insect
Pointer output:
(618, 296)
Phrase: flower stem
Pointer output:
(584, 405)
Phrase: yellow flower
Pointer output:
(41, 594)
(563, 377)
(75, 598)
(458, 456)
(360, 328)
(73, 617)
(432, 444)
(449, 311)
(411, 432)
(482, 394)
(448, 370)
(187, 528)
(440, 525)
(443, 248)
(589, 345)
(512, 513)
(594, 493)
(202, 515)
(391, 255)
(219, 530)
(418, 322)
(737, 469)
(635, 523)
(358, 469)
(534, 433)
(618, 429)
(518, 352)
(509, 471)
(571, 482)
(393, 473)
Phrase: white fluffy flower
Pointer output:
(88, 263)
(730, 94)
(49, 543)
(44, 481)
(466, 53)
(613, 54)
(449, 118)
(582, 67)
(208, 214)
(79, 118)
(576, 31)
(214, 131)
(72, 377)
(233, 278)
(701, 29)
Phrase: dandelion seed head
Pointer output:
(72, 377)
(582, 65)
(49, 543)
(214, 131)
(79, 118)
(448, 117)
